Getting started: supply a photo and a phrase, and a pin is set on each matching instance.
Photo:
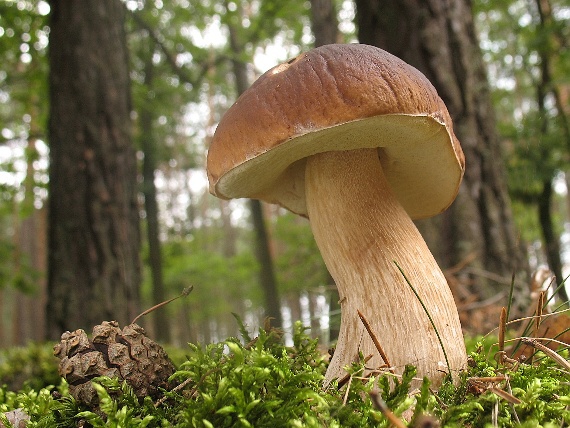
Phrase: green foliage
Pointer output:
(543, 389)
(23, 82)
(261, 383)
(38, 404)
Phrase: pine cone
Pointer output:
(128, 355)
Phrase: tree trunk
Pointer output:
(31, 306)
(267, 274)
(551, 238)
(545, 88)
(148, 144)
(324, 22)
(262, 249)
(94, 267)
(438, 37)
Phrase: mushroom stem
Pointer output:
(362, 231)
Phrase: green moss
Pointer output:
(33, 366)
(264, 383)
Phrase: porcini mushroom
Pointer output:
(359, 142)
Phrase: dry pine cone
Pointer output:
(128, 355)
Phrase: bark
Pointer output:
(266, 272)
(544, 88)
(93, 265)
(438, 38)
(324, 22)
(161, 323)
(31, 306)
(550, 237)
(268, 280)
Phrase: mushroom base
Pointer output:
(364, 234)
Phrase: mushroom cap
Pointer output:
(338, 97)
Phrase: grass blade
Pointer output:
(428, 315)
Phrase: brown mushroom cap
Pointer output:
(338, 97)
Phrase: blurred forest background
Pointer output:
(107, 108)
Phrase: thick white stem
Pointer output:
(362, 232)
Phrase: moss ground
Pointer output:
(260, 382)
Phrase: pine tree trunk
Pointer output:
(161, 323)
(267, 274)
(546, 88)
(94, 267)
(268, 280)
(438, 37)
(549, 235)
(324, 22)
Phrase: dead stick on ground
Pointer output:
(487, 379)
(345, 398)
(375, 340)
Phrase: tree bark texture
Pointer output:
(148, 144)
(550, 237)
(545, 88)
(324, 22)
(438, 37)
(94, 267)
(266, 270)
(267, 276)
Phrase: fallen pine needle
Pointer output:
(504, 395)
(547, 351)
(502, 328)
(184, 293)
(491, 379)
(428, 315)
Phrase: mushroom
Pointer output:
(359, 142)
